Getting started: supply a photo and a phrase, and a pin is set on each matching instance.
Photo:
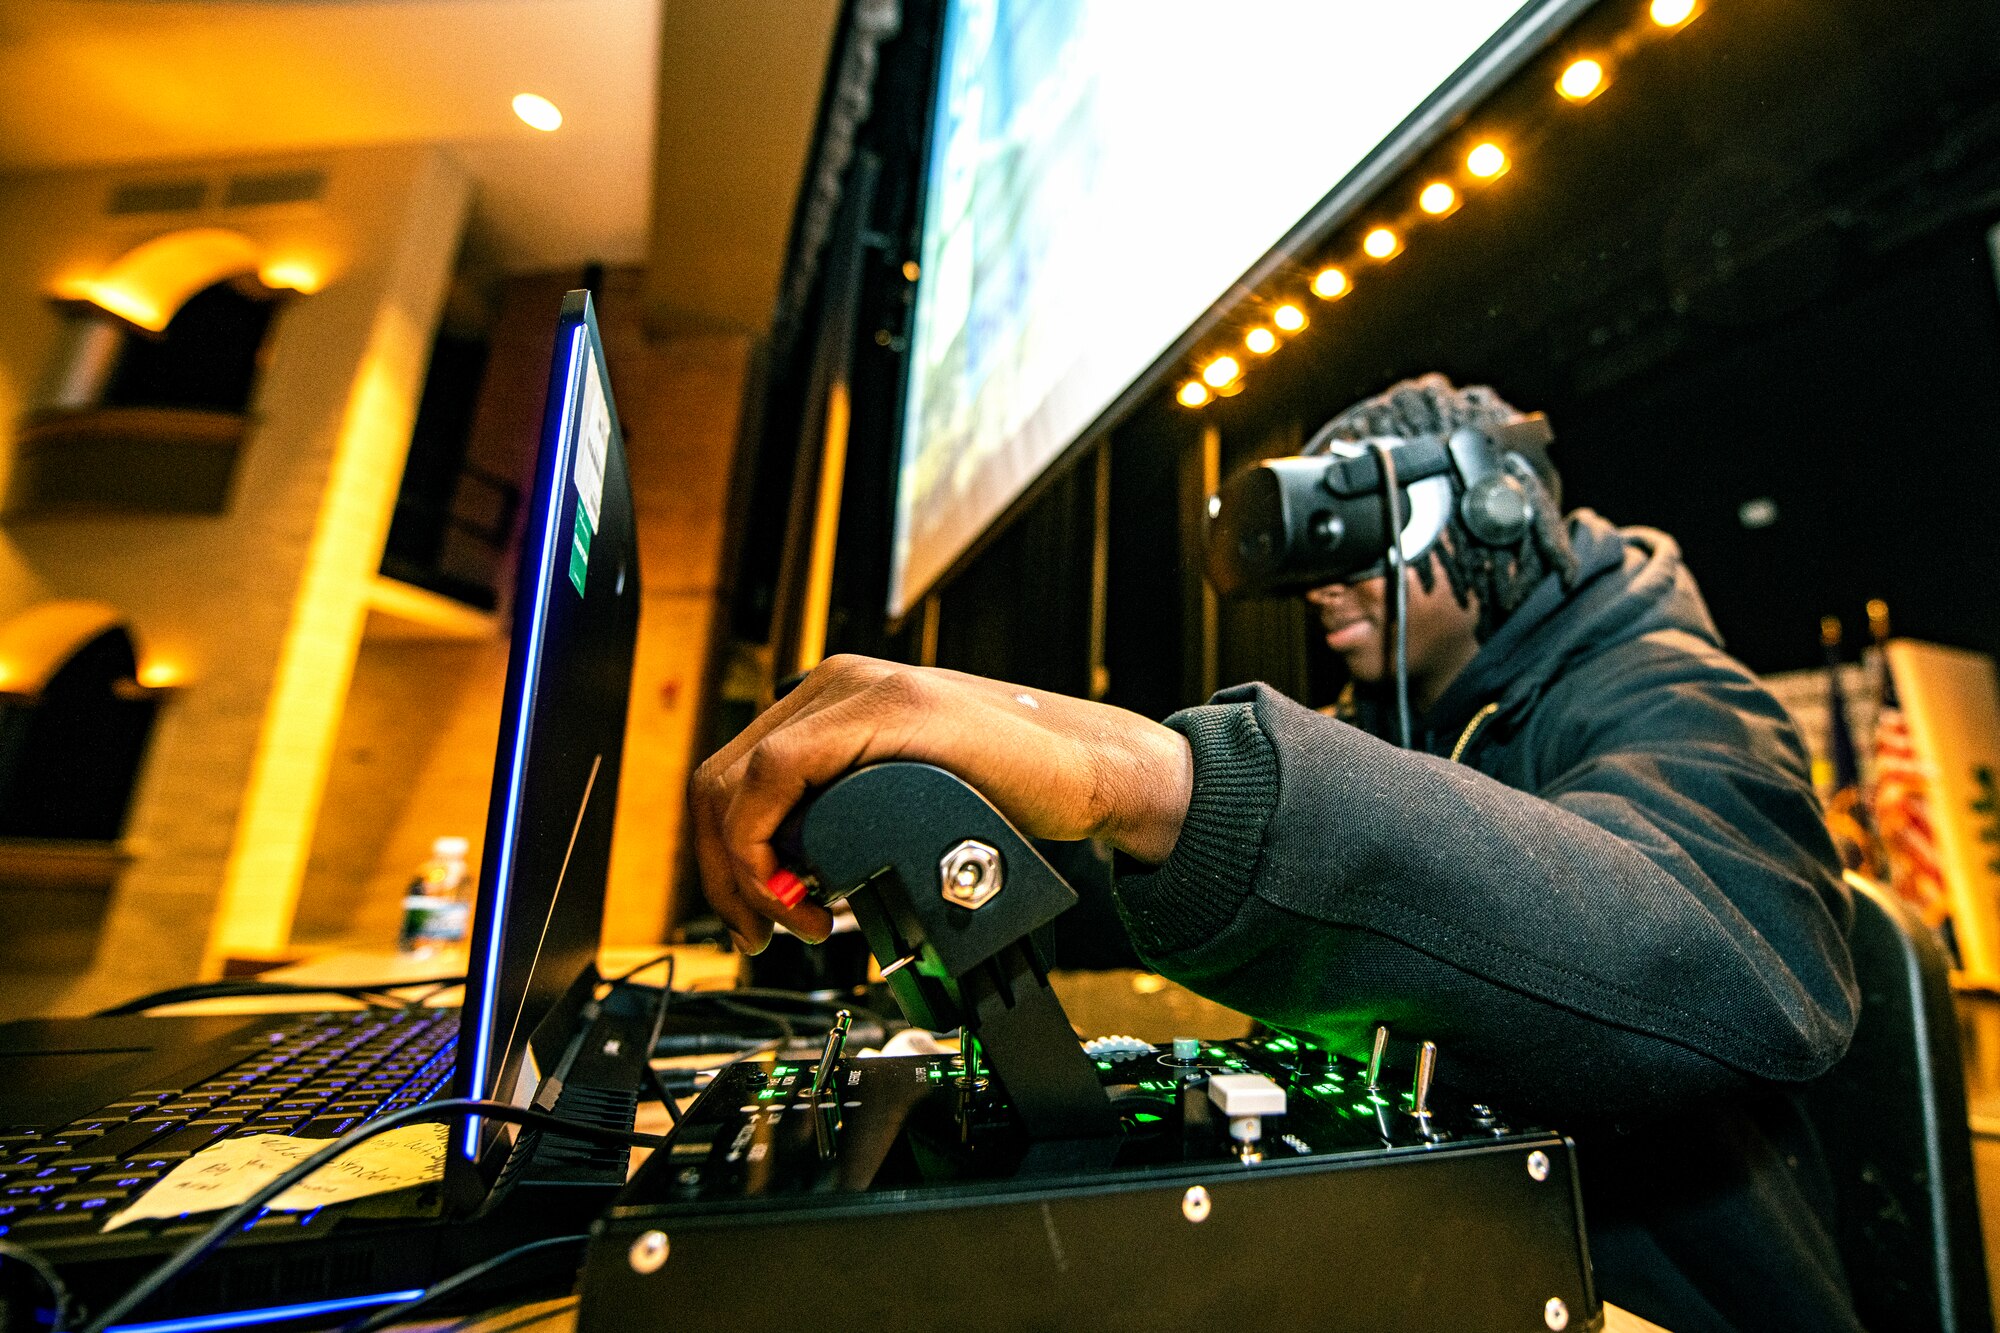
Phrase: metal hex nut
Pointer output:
(971, 874)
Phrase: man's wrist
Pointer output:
(1159, 783)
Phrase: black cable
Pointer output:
(465, 1277)
(200, 1247)
(786, 1028)
(437, 988)
(663, 1094)
(46, 1271)
(625, 977)
(1397, 608)
(658, 1089)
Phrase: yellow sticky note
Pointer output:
(225, 1174)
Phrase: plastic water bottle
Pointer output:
(437, 907)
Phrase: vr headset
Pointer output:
(1289, 524)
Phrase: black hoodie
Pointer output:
(1615, 907)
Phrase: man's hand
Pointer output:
(1058, 767)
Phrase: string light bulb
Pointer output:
(1380, 243)
(1330, 284)
(1438, 199)
(1261, 341)
(1193, 394)
(1289, 318)
(1671, 13)
(1583, 80)
(1221, 371)
(1486, 161)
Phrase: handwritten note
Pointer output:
(225, 1174)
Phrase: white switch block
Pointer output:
(1245, 1094)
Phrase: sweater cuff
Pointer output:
(1200, 887)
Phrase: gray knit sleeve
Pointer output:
(1202, 885)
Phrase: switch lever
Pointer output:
(1420, 1092)
(1375, 1056)
(829, 1056)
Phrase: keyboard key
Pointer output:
(121, 1142)
(328, 1126)
(47, 1226)
(88, 1205)
(302, 1101)
(187, 1142)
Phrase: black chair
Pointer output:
(1892, 1119)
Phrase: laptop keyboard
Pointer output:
(322, 1075)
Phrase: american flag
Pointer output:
(1903, 812)
(1847, 815)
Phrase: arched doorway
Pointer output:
(74, 727)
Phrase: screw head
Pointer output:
(1538, 1164)
(1555, 1314)
(649, 1252)
(1195, 1204)
(970, 874)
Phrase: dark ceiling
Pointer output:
(1754, 268)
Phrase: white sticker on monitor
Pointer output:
(593, 447)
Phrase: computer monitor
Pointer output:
(536, 927)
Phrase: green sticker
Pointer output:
(579, 550)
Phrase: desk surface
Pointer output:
(695, 968)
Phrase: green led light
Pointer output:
(1146, 1118)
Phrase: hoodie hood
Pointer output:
(1630, 582)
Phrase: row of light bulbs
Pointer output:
(1581, 81)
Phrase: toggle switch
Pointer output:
(1420, 1091)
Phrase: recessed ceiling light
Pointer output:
(537, 111)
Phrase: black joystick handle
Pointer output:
(947, 892)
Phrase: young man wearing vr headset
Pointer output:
(1598, 878)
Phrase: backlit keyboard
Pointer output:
(322, 1075)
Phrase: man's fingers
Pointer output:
(718, 877)
(813, 750)
(709, 795)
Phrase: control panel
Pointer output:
(1035, 1181)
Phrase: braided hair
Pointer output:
(1501, 577)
